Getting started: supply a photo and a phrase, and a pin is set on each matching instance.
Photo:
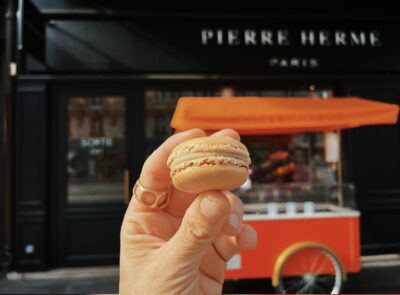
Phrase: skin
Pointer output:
(184, 247)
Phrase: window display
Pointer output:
(290, 158)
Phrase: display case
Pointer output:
(296, 172)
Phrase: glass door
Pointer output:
(98, 150)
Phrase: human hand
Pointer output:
(184, 247)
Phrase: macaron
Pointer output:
(209, 163)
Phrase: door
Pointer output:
(97, 139)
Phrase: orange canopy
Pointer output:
(279, 115)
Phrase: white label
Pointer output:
(331, 147)
(95, 142)
(235, 262)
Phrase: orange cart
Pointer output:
(303, 251)
(308, 232)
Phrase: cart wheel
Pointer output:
(309, 268)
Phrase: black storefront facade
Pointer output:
(95, 78)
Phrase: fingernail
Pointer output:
(233, 220)
(252, 234)
(148, 199)
(210, 208)
(186, 132)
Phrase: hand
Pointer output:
(184, 247)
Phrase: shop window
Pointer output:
(96, 149)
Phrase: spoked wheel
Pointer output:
(309, 268)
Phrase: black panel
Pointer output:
(30, 122)
(30, 176)
(93, 235)
(32, 155)
(376, 154)
(379, 230)
(375, 161)
(135, 132)
(81, 46)
(376, 149)
(34, 32)
(30, 244)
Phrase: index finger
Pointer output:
(155, 172)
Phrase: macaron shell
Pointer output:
(208, 144)
(211, 140)
(219, 177)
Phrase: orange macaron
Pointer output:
(209, 163)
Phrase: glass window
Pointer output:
(160, 106)
(96, 149)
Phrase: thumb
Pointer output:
(200, 226)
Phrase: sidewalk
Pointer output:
(83, 280)
(380, 274)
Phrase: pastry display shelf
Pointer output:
(260, 211)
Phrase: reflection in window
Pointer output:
(96, 149)
(160, 105)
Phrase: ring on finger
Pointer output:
(161, 199)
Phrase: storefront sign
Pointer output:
(225, 45)
(266, 37)
(305, 38)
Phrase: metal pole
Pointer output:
(340, 170)
(6, 81)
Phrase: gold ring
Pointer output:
(161, 198)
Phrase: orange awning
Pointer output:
(279, 115)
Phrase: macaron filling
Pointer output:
(234, 148)
(206, 161)
(190, 157)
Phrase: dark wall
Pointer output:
(375, 168)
